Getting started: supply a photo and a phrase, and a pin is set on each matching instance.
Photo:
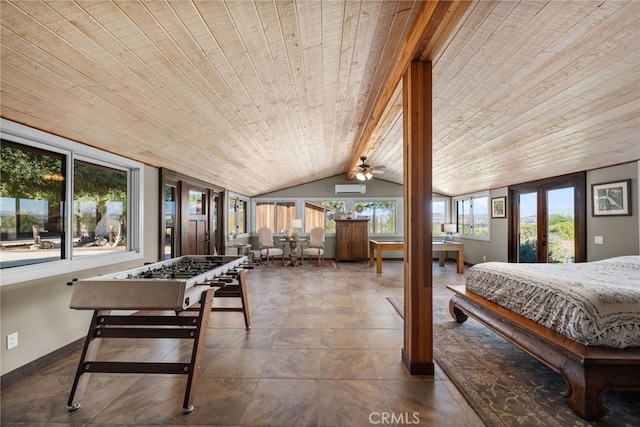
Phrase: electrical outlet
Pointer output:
(484, 257)
(599, 240)
(12, 340)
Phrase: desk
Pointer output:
(293, 254)
(379, 247)
(443, 247)
(376, 248)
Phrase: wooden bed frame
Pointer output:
(588, 371)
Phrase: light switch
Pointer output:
(599, 240)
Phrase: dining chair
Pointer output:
(268, 247)
(314, 247)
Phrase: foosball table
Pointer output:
(185, 287)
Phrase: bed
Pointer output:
(582, 320)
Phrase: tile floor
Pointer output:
(324, 350)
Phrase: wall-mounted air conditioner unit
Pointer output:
(351, 188)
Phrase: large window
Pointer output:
(385, 217)
(275, 215)
(472, 215)
(99, 209)
(381, 213)
(61, 201)
(438, 214)
(33, 194)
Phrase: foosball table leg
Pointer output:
(242, 283)
(89, 352)
(236, 290)
(198, 345)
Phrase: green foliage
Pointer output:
(528, 251)
(8, 223)
(26, 223)
(562, 225)
(24, 174)
(559, 241)
(94, 183)
(32, 174)
(528, 231)
(557, 251)
(481, 232)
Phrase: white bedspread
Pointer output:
(594, 303)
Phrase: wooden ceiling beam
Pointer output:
(432, 27)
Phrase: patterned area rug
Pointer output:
(506, 386)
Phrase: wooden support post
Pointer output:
(417, 353)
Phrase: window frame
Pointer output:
(348, 207)
(372, 225)
(24, 135)
(243, 201)
(447, 214)
(455, 215)
(578, 181)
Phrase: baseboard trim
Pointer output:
(42, 362)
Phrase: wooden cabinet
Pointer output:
(352, 239)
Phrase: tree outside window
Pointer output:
(34, 222)
(32, 196)
(382, 215)
(100, 208)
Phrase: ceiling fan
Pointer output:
(365, 172)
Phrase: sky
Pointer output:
(558, 201)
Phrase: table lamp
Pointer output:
(449, 228)
(295, 224)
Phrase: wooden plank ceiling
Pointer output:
(260, 96)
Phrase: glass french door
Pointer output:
(170, 221)
(197, 236)
(548, 221)
(527, 224)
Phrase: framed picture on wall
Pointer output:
(611, 198)
(498, 207)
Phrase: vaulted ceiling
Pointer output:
(264, 95)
